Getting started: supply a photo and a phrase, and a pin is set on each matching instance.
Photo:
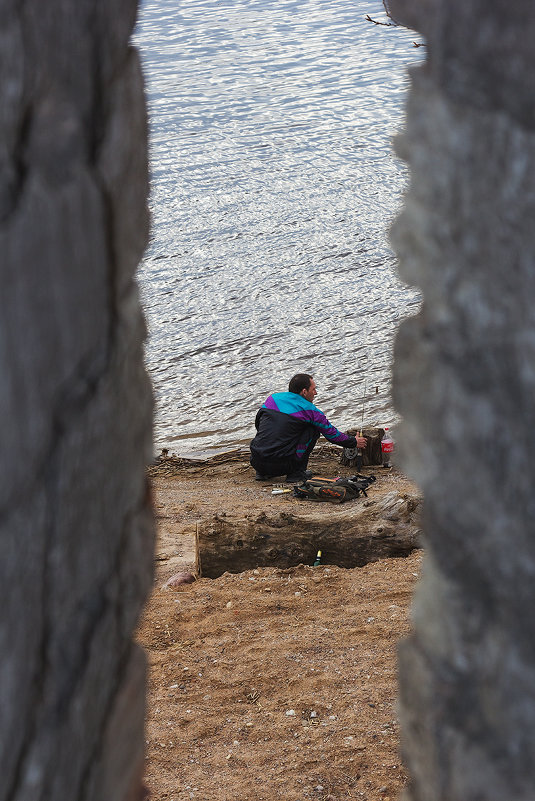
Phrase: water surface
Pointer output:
(272, 187)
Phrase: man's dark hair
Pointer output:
(299, 382)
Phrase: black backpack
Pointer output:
(333, 490)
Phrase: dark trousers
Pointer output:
(288, 465)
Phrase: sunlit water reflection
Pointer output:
(272, 187)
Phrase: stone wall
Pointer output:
(465, 377)
(75, 402)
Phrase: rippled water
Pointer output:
(273, 184)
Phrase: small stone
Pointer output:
(297, 594)
(179, 579)
(290, 713)
(229, 604)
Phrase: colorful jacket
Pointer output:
(284, 429)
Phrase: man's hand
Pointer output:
(361, 442)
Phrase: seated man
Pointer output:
(288, 426)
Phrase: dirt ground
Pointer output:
(272, 683)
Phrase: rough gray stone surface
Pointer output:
(465, 376)
(75, 402)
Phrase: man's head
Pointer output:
(304, 385)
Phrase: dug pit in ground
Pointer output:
(349, 535)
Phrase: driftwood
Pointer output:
(166, 464)
(372, 453)
(349, 536)
(169, 465)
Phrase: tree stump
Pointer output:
(350, 535)
(372, 453)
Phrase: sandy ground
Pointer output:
(272, 683)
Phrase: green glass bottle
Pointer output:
(318, 559)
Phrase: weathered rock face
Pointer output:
(465, 377)
(75, 403)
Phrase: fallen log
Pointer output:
(349, 536)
